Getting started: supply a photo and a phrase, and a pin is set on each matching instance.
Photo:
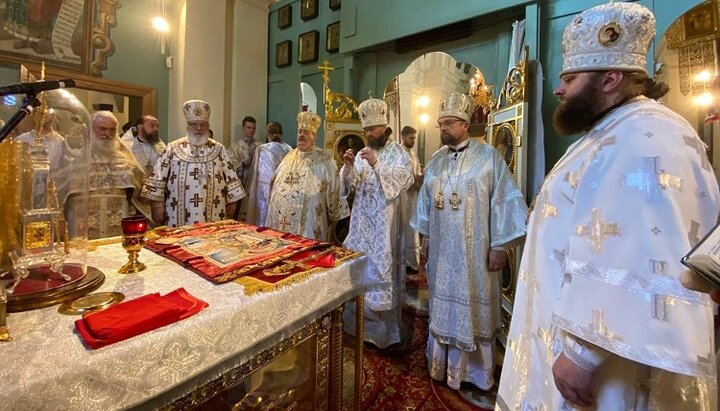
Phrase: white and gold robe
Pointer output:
(305, 197)
(408, 203)
(146, 154)
(195, 182)
(114, 183)
(267, 159)
(241, 152)
(464, 295)
(599, 274)
(375, 230)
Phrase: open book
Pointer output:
(704, 258)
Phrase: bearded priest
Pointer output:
(378, 174)
(115, 180)
(194, 180)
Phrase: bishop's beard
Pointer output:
(105, 148)
(577, 113)
(197, 139)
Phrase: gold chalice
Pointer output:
(133, 240)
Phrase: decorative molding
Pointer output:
(100, 36)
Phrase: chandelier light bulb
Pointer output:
(160, 24)
(423, 101)
(703, 76)
(705, 99)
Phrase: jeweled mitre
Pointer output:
(614, 36)
(196, 110)
(308, 120)
(373, 112)
(457, 105)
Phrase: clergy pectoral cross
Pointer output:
(284, 223)
(455, 201)
(439, 201)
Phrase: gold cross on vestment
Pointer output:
(599, 326)
(284, 223)
(598, 230)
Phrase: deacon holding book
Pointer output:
(600, 318)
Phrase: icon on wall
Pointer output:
(285, 17)
(283, 53)
(308, 46)
(332, 44)
(309, 9)
(334, 4)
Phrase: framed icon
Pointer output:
(332, 44)
(309, 9)
(308, 44)
(334, 4)
(285, 17)
(283, 53)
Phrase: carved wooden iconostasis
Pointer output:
(508, 132)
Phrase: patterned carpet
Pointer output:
(397, 378)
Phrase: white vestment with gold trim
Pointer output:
(464, 294)
(305, 197)
(599, 273)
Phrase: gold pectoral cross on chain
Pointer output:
(455, 201)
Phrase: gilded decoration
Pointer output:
(514, 89)
(38, 234)
(76, 36)
(320, 330)
(338, 107)
(693, 36)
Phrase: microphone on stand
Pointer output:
(36, 87)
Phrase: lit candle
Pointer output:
(136, 224)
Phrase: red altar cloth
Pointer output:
(134, 317)
(224, 252)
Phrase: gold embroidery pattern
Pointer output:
(598, 230)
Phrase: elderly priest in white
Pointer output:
(305, 198)
(600, 319)
(194, 180)
(468, 208)
(378, 174)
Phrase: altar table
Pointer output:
(47, 366)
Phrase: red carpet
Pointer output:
(397, 378)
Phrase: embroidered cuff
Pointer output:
(585, 355)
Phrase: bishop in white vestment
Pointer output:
(194, 180)
(305, 197)
(468, 209)
(378, 174)
(600, 318)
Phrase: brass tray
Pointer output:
(91, 302)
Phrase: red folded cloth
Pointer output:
(134, 317)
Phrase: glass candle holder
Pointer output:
(133, 240)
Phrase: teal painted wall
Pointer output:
(556, 14)
(370, 22)
(137, 57)
(368, 72)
